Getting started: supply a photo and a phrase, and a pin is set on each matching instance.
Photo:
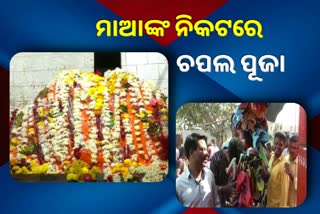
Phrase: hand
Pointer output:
(264, 171)
(228, 189)
(288, 170)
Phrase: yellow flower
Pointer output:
(90, 76)
(114, 76)
(99, 101)
(118, 164)
(23, 147)
(42, 169)
(100, 89)
(14, 141)
(12, 148)
(98, 106)
(164, 118)
(69, 80)
(40, 124)
(142, 115)
(126, 174)
(71, 170)
(164, 110)
(25, 170)
(115, 169)
(93, 175)
(145, 125)
(31, 131)
(127, 162)
(18, 171)
(72, 177)
(40, 111)
(95, 170)
(33, 163)
(123, 169)
(13, 162)
(126, 77)
(126, 116)
(160, 103)
(91, 91)
(66, 163)
(51, 119)
(15, 168)
(84, 170)
(35, 170)
(99, 97)
(134, 164)
(97, 79)
(111, 89)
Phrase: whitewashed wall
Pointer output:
(148, 66)
(30, 72)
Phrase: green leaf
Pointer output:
(145, 119)
(154, 129)
(18, 120)
(111, 124)
(262, 155)
(43, 93)
(164, 97)
(31, 149)
(124, 108)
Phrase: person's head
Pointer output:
(195, 147)
(182, 153)
(225, 145)
(177, 153)
(179, 140)
(235, 148)
(247, 139)
(279, 143)
(210, 151)
(293, 147)
(213, 142)
(287, 141)
(267, 150)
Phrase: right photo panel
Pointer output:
(241, 155)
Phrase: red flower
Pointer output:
(97, 72)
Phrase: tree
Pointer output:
(211, 117)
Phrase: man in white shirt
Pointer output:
(196, 186)
(179, 142)
(291, 169)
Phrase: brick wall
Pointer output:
(30, 72)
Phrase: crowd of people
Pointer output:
(258, 173)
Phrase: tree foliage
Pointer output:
(212, 117)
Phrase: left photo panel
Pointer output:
(89, 116)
